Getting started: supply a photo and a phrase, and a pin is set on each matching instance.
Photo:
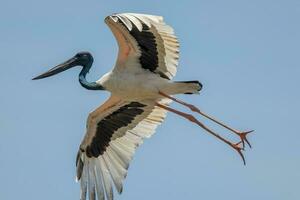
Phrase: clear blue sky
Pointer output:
(246, 54)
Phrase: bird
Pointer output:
(141, 90)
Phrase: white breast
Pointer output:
(133, 86)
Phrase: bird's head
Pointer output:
(84, 59)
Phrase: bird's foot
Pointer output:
(239, 149)
(243, 137)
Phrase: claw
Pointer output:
(243, 136)
(239, 150)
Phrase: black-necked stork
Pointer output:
(141, 91)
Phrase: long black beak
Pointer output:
(59, 68)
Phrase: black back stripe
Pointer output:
(110, 124)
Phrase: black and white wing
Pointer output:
(114, 131)
(145, 42)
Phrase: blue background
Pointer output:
(246, 54)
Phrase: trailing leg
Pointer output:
(241, 134)
(194, 120)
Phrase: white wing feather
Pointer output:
(99, 174)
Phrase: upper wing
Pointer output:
(114, 131)
(145, 42)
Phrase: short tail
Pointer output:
(185, 87)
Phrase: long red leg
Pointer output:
(241, 134)
(194, 120)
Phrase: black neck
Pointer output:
(82, 78)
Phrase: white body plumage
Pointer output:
(142, 85)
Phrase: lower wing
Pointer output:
(114, 131)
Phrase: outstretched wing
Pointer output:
(145, 42)
(114, 131)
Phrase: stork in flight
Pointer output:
(141, 91)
